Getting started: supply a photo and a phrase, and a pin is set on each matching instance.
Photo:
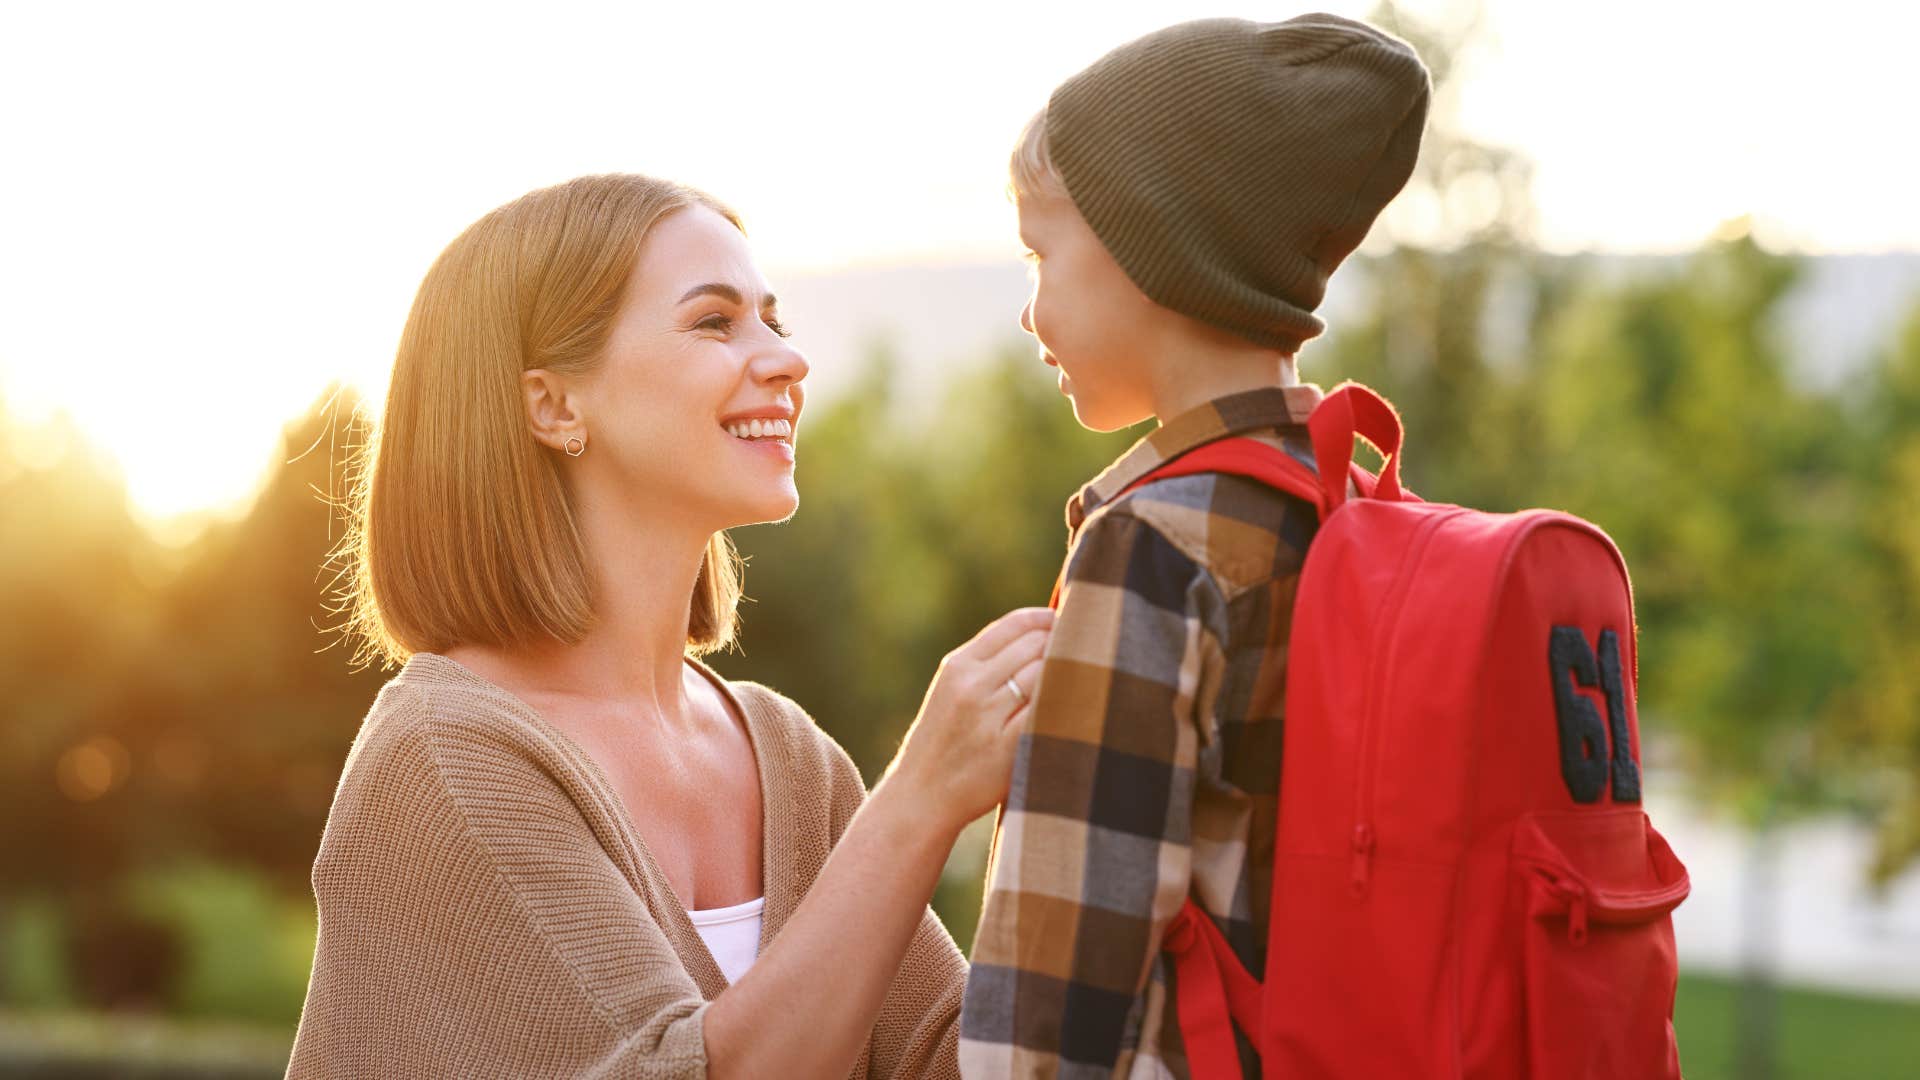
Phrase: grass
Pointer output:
(1819, 1035)
(80, 1045)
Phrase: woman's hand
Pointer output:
(957, 759)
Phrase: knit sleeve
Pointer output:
(917, 1032)
(470, 925)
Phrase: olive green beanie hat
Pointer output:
(1229, 166)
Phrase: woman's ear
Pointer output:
(552, 414)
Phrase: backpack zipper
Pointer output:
(1362, 841)
(1575, 894)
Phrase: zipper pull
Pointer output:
(1361, 866)
(1576, 916)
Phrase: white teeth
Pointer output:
(760, 429)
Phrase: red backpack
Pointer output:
(1465, 883)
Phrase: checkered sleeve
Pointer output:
(1093, 854)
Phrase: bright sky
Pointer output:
(211, 210)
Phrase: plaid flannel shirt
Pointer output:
(1150, 767)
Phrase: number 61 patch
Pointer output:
(1585, 760)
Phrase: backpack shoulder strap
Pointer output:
(1241, 456)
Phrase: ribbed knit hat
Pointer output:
(1229, 166)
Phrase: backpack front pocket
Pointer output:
(1598, 889)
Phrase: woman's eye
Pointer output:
(722, 324)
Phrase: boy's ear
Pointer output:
(553, 413)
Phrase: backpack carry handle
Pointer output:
(1353, 409)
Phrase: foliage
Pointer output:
(1877, 722)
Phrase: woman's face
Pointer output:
(697, 401)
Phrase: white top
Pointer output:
(732, 935)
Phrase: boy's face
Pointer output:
(1092, 322)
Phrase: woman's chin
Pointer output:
(769, 507)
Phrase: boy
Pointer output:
(1183, 201)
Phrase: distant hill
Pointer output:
(937, 317)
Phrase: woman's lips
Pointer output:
(778, 448)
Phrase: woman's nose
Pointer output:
(1026, 316)
(783, 363)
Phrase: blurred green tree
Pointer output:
(166, 706)
(79, 576)
(1879, 718)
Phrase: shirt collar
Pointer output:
(1249, 410)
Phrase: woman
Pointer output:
(561, 844)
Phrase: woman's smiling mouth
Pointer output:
(752, 430)
(771, 437)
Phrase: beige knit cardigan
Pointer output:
(487, 908)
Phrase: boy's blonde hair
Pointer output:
(461, 527)
(1031, 172)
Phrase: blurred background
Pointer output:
(1659, 267)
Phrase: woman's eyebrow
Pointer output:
(725, 292)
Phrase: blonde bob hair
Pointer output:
(461, 526)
